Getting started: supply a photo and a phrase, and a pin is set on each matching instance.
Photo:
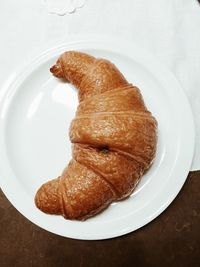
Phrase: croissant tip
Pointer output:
(54, 69)
(47, 198)
(37, 201)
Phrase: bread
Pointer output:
(113, 139)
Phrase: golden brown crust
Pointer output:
(114, 140)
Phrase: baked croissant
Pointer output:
(114, 140)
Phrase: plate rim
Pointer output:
(103, 43)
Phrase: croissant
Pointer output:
(113, 139)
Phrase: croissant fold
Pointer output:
(113, 139)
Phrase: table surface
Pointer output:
(172, 239)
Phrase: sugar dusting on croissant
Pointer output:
(114, 140)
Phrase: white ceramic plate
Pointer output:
(35, 113)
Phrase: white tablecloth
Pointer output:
(169, 29)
